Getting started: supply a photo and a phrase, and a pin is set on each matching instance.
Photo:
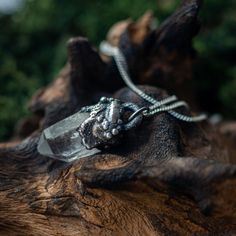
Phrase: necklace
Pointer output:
(100, 126)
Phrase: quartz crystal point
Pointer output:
(62, 141)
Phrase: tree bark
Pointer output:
(166, 178)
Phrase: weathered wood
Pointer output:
(166, 178)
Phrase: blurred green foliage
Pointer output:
(215, 72)
(32, 47)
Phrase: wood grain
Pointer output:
(166, 178)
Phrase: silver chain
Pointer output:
(157, 106)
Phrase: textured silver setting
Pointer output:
(106, 122)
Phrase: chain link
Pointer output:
(157, 106)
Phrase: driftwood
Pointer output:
(166, 178)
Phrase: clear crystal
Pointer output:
(62, 140)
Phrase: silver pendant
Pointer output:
(90, 130)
